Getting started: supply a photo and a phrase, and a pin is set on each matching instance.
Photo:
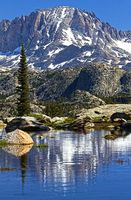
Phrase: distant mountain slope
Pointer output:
(99, 80)
(63, 37)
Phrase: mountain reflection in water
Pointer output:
(69, 159)
(73, 156)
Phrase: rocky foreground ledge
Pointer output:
(116, 117)
(105, 116)
(17, 131)
(106, 113)
(111, 116)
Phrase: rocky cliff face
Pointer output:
(100, 80)
(63, 37)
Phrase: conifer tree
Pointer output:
(23, 86)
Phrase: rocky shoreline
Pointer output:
(114, 117)
(106, 116)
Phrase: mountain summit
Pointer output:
(63, 37)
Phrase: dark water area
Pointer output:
(73, 166)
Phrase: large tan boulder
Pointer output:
(18, 137)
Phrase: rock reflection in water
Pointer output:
(18, 150)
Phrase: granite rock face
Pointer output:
(101, 80)
(63, 37)
(83, 99)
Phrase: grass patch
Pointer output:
(101, 119)
(3, 143)
(97, 119)
(59, 124)
(69, 120)
(37, 116)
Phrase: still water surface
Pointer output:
(73, 166)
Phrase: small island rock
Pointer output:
(26, 124)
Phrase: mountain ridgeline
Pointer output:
(63, 37)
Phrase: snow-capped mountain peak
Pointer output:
(63, 37)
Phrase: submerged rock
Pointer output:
(18, 137)
(111, 137)
(25, 124)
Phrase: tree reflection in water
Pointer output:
(23, 165)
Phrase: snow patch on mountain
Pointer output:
(53, 52)
(68, 38)
(126, 46)
(87, 53)
(51, 66)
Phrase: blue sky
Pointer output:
(116, 12)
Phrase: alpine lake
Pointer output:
(75, 166)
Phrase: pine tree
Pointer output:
(23, 86)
